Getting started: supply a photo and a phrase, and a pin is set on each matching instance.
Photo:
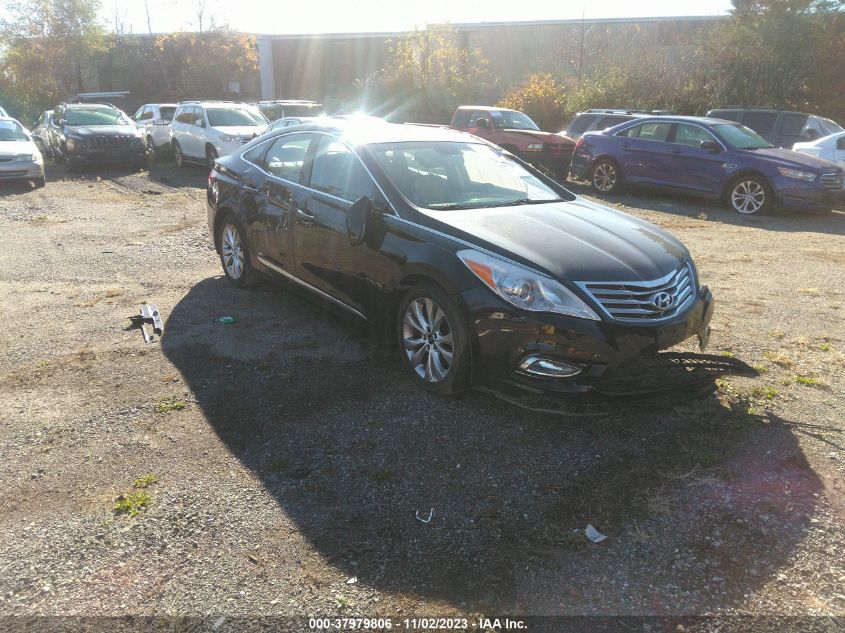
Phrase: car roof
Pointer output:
(487, 108)
(88, 106)
(368, 131)
(674, 118)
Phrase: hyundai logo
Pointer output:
(663, 301)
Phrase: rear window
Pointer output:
(651, 131)
(462, 118)
(580, 123)
(728, 115)
(760, 122)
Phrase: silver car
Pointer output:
(19, 156)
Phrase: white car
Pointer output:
(153, 119)
(201, 131)
(831, 147)
(19, 157)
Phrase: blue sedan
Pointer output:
(715, 158)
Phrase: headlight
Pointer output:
(230, 139)
(535, 147)
(524, 288)
(797, 174)
(27, 158)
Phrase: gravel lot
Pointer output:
(288, 458)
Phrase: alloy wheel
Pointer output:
(232, 251)
(748, 196)
(427, 339)
(177, 154)
(604, 177)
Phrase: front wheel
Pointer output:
(152, 150)
(605, 176)
(433, 340)
(750, 195)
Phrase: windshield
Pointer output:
(12, 131)
(740, 137)
(234, 117)
(450, 175)
(512, 120)
(99, 116)
(831, 127)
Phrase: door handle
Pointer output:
(250, 187)
(676, 151)
(625, 145)
(305, 217)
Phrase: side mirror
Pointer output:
(356, 219)
(711, 146)
(482, 124)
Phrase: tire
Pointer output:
(605, 176)
(433, 340)
(210, 156)
(40, 182)
(152, 150)
(177, 155)
(236, 265)
(561, 175)
(750, 195)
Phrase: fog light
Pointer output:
(538, 366)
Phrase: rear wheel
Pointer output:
(750, 195)
(605, 176)
(234, 254)
(177, 154)
(210, 156)
(433, 340)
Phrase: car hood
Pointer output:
(789, 158)
(13, 148)
(573, 240)
(247, 131)
(103, 130)
(547, 137)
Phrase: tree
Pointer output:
(49, 44)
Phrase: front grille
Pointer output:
(111, 141)
(639, 301)
(833, 182)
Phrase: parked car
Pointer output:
(281, 108)
(517, 133)
(41, 132)
(831, 147)
(288, 122)
(153, 119)
(479, 267)
(19, 156)
(120, 99)
(202, 131)
(782, 128)
(603, 118)
(85, 133)
(712, 157)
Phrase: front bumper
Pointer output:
(84, 154)
(505, 337)
(21, 170)
(796, 194)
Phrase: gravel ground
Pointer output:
(287, 458)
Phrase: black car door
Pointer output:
(278, 195)
(325, 257)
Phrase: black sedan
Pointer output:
(474, 264)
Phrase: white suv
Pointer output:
(153, 120)
(203, 130)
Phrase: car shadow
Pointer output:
(469, 500)
(688, 205)
(17, 187)
(155, 177)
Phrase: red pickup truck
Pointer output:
(517, 133)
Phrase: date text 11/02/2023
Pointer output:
(418, 624)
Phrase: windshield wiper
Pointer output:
(521, 201)
(447, 206)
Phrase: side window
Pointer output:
(337, 171)
(183, 115)
(793, 124)
(840, 142)
(462, 118)
(255, 154)
(286, 156)
(692, 135)
(137, 116)
(610, 121)
(580, 123)
(651, 131)
(760, 122)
